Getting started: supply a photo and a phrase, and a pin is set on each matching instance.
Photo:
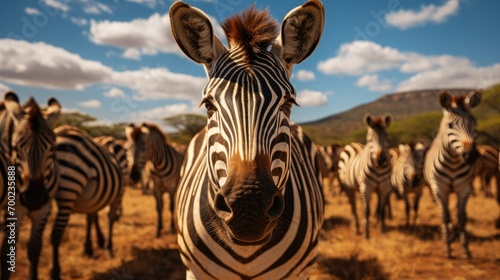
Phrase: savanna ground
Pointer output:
(400, 253)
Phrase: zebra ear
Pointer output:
(194, 34)
(368, 120)
(53, 110)
(300, 33)
(445, 99)
(387, 117)
(11, 102)
(128, 131)
(145, 129)
(403, 148)
(473, 99)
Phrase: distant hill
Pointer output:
(401, 105)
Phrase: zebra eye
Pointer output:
(211, 109)
(450, 125)
(287, 106)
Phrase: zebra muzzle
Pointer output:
(35, 195)
(249, 214)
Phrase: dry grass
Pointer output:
(400, 253)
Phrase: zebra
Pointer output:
(366, 168)
(486, 167)
(4, 165)
(448, 165)
(116, 148)
(32, 152)
(330, 158)
(250, 202)
(148, 143)
(407, 175)
(91, 179)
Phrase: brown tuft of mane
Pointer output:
(253, 29)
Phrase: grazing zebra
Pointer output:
(448, 165)
(486, 167)
(407, 175)
(148, 143)
(250, 202)
(366, 168)
(91, 179)
(32, 152)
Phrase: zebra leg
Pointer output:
(407, 205)
(88, 238)
(365, 197)
(38, 220)
(5, 258)
(352, 201)
(57, 233)
(384, 202)
(159, 206)
(100, 236)
(111, 219)
(172, 221)
(441, 199)
(462, 220)
(416, 203)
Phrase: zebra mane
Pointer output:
(34, 114)
(378, 123)
(253, 29)
(154, 129)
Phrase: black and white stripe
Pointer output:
(147, 143)
(486, 167)
(407, 175)
(91, 179)
(249, 203)
(32, 152)
(366, 168)
(449, 162)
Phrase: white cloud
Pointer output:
(132, 54)
(57, 5)
(358, 57)
(115, 92)
(305, 75)
(157, 114)
(31, 11)
(404, 19)
(79, 21)
(44, 65)
(429, 71)
(92, 103)
(94, 7)
(148, 36)
(161, 83)
(311, 98)
(149, 3)
(373, 83)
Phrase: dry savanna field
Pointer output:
(400, 253)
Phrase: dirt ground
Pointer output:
(400, 253)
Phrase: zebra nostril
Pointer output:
(221, 208)
(276, 208)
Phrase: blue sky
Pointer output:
(117, 61)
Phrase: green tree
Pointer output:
(188, 124)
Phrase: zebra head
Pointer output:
(33, 149)
(248, 99)
(414, 154)
(377, 139)
(137, 141)
(458, 125)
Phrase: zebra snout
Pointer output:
(470, 156)
(135, 174)
(35, 196)
(266, 207)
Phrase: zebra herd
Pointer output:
(247, 193)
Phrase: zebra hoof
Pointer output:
(88, 251)
(497, 224)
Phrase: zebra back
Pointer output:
(91, 177)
